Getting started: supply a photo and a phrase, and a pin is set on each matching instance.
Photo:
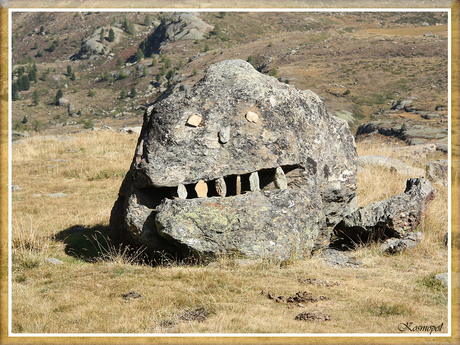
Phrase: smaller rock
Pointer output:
(280, 179)
(437, 171)
(252, 117)
(131, 295)
(201, 189)
(399, 245)
(393, 217)
(224, 135)
(57, 195)
(443, 278)
(63, 101)
(446, 239)
(54, 261)
(195, 120)
(131, 130)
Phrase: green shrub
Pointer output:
(273, 72)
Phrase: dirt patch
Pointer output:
(313, 316)
(299, 298)
(131, 295)
(199, 314)
(317, 282)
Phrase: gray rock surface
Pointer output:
(393, 217)
(54, 261)
(390, 163)
(443, 278)
(437, 171)
(293, 132)
(338, 259)
(413, 134)
(399, 245)
(279, 224)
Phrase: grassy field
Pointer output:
(84, 294)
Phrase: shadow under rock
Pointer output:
(90, 243)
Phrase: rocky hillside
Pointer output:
(77, 70)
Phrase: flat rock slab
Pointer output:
(391, 164)
(338, 259)
(278, 224)
(393, 217)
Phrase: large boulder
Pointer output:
(393, 217)
(238, 132)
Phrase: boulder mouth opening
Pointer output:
(283, 177)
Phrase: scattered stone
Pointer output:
(72, 111)
(195, 120)
(313, 316)
(399, 105)
(280, 179)
(446, 239)
(317, 282)
(221, 187)
(201, 189)
(181, 191)
(338, 259)
(443, 278)
(131, 295)
(15, 188)
(299, 297)
(131, 130)
(57, 195)
(390, 163)
(199, 314)
(63, 102)
(252, 117)
(399, 245)
(437, 171)
(393, 217)
(224, 135)
(54, 261)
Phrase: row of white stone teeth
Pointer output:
(201, 188)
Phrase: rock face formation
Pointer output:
(239, 163)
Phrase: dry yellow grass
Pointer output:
(85, 296)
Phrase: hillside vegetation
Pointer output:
(359, 63)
